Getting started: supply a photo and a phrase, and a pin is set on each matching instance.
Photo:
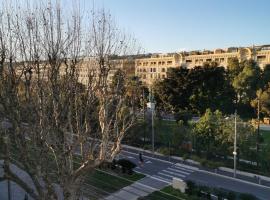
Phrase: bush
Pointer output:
(126, 165)
(191, 187)
(164, 151)
(186, 156)
(247, 197)
(231, 196)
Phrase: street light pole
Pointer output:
(234, 146)
(151, 106)
(153, 131)
(258, 131)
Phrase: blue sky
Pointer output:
(174, 25)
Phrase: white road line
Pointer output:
(184, 169)
(149, 157)
(187, 166)
(161, 179)
(174, 173)
(178, 171)
(160, 173)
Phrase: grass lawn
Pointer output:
(100, 182)
(167, 193)
(266, 136)
(106, 182)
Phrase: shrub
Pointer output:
(191, 187)
(164, 150)
(247, 197)
(231, 196)
(126, 165)
(186, 156)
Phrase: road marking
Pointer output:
(148, 162)
(178, 171)
(184, 169)
(165, 161)
(187, 167)
(156, 177)
(160, 173)
(174, 173)
(131, 157)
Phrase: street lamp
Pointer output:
(151, 105)
(234, 146)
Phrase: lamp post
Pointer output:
(258, 131)
(234, 146)
(151, 105)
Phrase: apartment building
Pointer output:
(261, 54)
(155, 67)
(85, 69)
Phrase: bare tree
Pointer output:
(60, 129)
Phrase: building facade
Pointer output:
(155, 67)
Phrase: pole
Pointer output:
(153, 132)
(143, 121)
(9, 189)
(258, 131)
(234, 146)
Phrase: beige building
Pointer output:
(155, 67)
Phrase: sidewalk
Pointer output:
(138, 189)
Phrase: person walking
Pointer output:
(140, 159)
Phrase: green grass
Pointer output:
(168, 193)
(102, 183)
(109, 181)
(266, 136)
(98, 183)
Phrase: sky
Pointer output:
(177, 25)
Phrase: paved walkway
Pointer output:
(152, 182)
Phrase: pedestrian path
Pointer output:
(151, 183)
(173, 171)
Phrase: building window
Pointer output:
(188, 61)
(163, 76)
(222, 59)
(144, 76)
(208, 60)
(154, 69)
(261, 58)
(150, 69)
(151, 75)
(169, 62)
(163, 70)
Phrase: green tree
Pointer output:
(246, 82)
(234, 67)
(265, 77)
(245, 85)
(195, 90)
(264, 98)
(210, 89)
(214, 134)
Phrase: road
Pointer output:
(160, 172)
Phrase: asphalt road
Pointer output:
(161, 170)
